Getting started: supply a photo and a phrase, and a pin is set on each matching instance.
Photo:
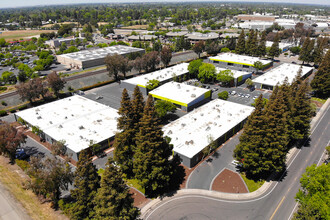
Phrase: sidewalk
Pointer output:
(234, 196)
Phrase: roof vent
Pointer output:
(39, 117)
(191, 142)
(193, 95)
(81, 127)
(208, 128)
(202, 114)
(183, 124)
(187, 143)
(169, 132)
(65, 117)
(99, 120)
(50, 122)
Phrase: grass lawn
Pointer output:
(134, 183)
(251, 184)
(84, 71)
(319, 100)
(13, 182)
(100, 171)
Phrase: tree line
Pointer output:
(272, 129)
(148, 62)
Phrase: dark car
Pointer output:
(20, 154)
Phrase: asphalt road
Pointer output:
(276, 203)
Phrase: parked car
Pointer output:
(247, 96)
(20, 154)
(233, 92)
(255, 97)
(240, 94)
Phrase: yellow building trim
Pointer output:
(226, 61)
(170, 100)
(141, 86)
(207, 94)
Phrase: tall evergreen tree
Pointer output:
(250, 151)
(262, 45)
(151, 164)
(251, 43)
(302, 112)
(321, 81)
(304, 53)
(274, 50)
(318, 53)
(137, 108)
(86, 183)
(240, 46)
(310, 48)
(124, 143)
(113, 200)
(276, 139)
(254, 44)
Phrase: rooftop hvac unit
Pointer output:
(60, 126)
(50, 122)
(183, 124)
(202, 114)
(39, 117)
(169, 132)
(187, 142)
(191, 142)
(178, 85)
(81, 127)
(208, 128)
(193, 95)
(99, 120)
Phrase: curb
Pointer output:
(233, 196)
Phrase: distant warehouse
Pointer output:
(76, 120)
(163, 76)
(90, 58)
(215, 121)
(231, 60)
(277, 75)
(184, 96)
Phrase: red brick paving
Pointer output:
(229, 182)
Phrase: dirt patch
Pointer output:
(136, 27)
(67, 22)
(229, 182)
(318, 104)
(139, 199)
(16, 35)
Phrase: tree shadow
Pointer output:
(33, 151)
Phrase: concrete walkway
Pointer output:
(258, 194)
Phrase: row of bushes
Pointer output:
(99, 84)
(12, 110)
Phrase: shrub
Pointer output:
(12, 110)
(23, 164)
(3, 88)
(225, 50)
(3, 113)
(223, 95)
(22, 107)
(3, 103)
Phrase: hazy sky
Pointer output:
(23, 3)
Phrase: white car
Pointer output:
(233, 92)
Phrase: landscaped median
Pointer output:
(252, 185)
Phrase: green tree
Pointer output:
(10, 140)
(311, 54)
(151, 164)
(258, 65)
(193, 67)
(50, 177)
(318, 53)
(314, 198)
(113, 64)
(304, 52)
(249, 82)
(162, 107)
(198, 48)
(86, 183)
(212, 48)
(166, 55)
(321, 81)
(113, 200)
(152, 84)
(55, 83)
(124, 143)
(251, 44)
(301, 113)
(2, 42)
(274, 50)
(8, 77)
(261, 51)
(225, 77)
(206, 72)
(240, 46)
(125, 66)
(223, 95)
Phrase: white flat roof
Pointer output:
(240, 59)
(280, 44)
(76, 120)
(160, 75)
(189, 134)
(278, 74)
(86, 55)
(237, 73)
(179, 92)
